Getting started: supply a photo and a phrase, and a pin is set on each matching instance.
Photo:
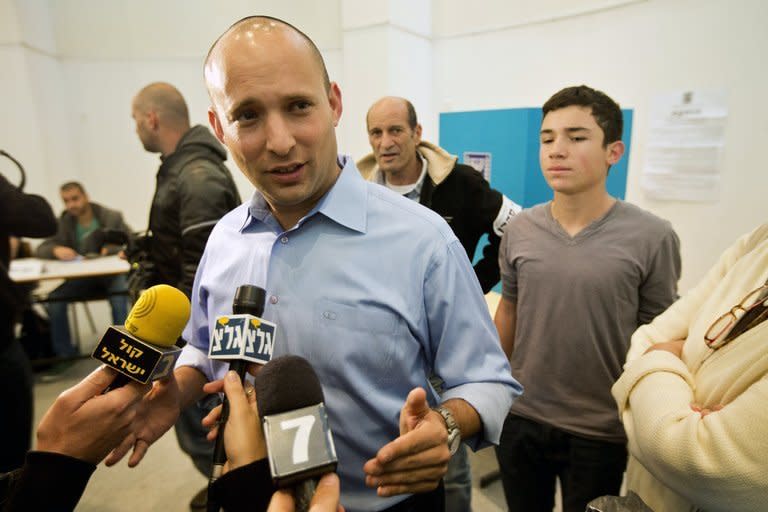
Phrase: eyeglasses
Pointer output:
(718, 333)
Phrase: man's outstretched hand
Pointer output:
(418, 459)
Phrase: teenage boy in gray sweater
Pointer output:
(579, 274)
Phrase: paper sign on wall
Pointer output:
(480, 161)
(684, 153)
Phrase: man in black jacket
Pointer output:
(428, 174)
(194, 190)
(194, 187)
(76, 237)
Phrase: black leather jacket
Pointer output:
(194, 190)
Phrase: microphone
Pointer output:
(240, 338)
(144, 349)
(299, 442)
(243, 337)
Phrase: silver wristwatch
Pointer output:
(454, 433)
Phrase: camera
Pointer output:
(137, 251)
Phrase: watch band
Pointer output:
(454, 433)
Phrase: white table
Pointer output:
(48, 274)
(26, 270)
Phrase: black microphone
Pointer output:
(299, 442)
(240, 338)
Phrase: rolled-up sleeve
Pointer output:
(465, 344)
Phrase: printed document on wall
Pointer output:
(480, 161)
(683, 158)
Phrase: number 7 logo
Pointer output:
(303, 426)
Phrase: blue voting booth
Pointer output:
(508, 139)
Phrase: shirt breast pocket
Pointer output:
(356, 340)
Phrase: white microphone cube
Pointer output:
(299, 445)
(244, 337)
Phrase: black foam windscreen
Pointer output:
(249, 299)
(287, 383)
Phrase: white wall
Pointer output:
(110, 50)
(71, 67)
(31, 110)
(387, 51)
(631, 52)
(147, 29)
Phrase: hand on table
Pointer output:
(65, 253)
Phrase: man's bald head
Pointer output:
(251, 26)
(165, 100)
(389, 101)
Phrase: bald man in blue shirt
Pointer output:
(373, 289)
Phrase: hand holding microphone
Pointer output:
(86, 424)
(241, 338)
(243, 437)
(296, 436)
(75, 434)
(144, 351)
(299, 440)
(325, 499)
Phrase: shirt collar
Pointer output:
(345, 203)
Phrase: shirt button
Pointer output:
(284, 240)
(273, 299)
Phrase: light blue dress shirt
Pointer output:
(376, 292)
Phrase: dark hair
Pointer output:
(313, 47)
(72, 184)
(606, 112)
(412, 120)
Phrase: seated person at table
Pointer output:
(80, 219)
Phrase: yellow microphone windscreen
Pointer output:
(159, 316)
